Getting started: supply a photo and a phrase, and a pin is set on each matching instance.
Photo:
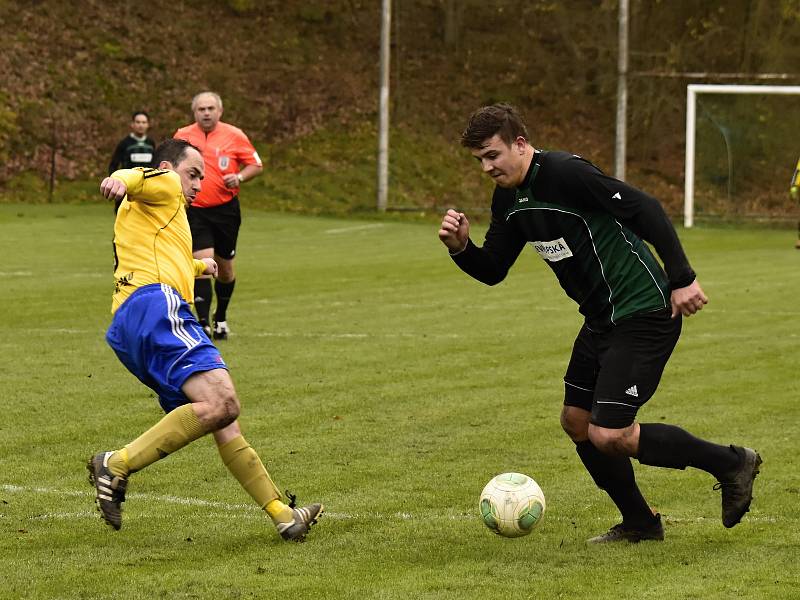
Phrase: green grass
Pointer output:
(377, 378)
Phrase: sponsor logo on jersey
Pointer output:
(616, 196)
(523, 199)
(553, 251)
(223, 162)
(123, 281)
(141, 157)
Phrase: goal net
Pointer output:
(742, 144)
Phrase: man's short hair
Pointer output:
(501, 119)
(136, 113)
(213, 94)
(173, 151)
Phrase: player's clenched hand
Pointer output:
(688, 300)
(231, 180)
(113, 189)
(211, 266)
(454, 231)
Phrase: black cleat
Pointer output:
(221, 330)
(304, 518)
(110, 489)
(737, 487)
(626, 533)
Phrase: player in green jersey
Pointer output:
(590, 229)
(135, 149)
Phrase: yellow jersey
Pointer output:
(152, 239)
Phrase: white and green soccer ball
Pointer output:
(512, 504)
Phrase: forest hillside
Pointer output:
(301, 79)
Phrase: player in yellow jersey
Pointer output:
(155, 335)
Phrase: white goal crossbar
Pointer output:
(691, 116)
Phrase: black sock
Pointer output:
(614, 475)
(224, 291)
(670, 446)
(202, 299)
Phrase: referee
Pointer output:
(230, 160)
(589, 229)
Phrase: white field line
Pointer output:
(252, 511)
(366, 336)
(68, 331)
(345, 336)
(490, 306)
(354, 228)
(88, 274)
(280, 334)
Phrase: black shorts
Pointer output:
(613, 373)
(216, 227)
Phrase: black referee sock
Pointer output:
(614, 475)
(670, 446)
(224, 291)
(202, 299)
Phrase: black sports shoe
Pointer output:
(304, 518)
(221, 330)
(737, 486)
(110, 489)
(626, 533)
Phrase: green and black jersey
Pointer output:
(588, 227)
(132, 152)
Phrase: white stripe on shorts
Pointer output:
(178, 330)
(620, 403)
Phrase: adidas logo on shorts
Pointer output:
(632, 391)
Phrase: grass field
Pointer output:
(377, 378)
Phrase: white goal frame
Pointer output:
(692, 90)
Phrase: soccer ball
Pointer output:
(512, 504)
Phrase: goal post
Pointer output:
(692, 91)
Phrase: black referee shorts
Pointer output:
(613, 373)
(216, 227)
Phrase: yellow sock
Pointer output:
(243, 462)
(118, 463)
(279, 512)
(171, 433)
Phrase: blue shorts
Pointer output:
(156, 336)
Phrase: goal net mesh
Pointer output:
(747, 147)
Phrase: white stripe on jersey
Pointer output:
(594, 248)
(178, 330)
(649, 272)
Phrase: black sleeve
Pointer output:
(501, 247)
(117, 158)
(640, 213)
